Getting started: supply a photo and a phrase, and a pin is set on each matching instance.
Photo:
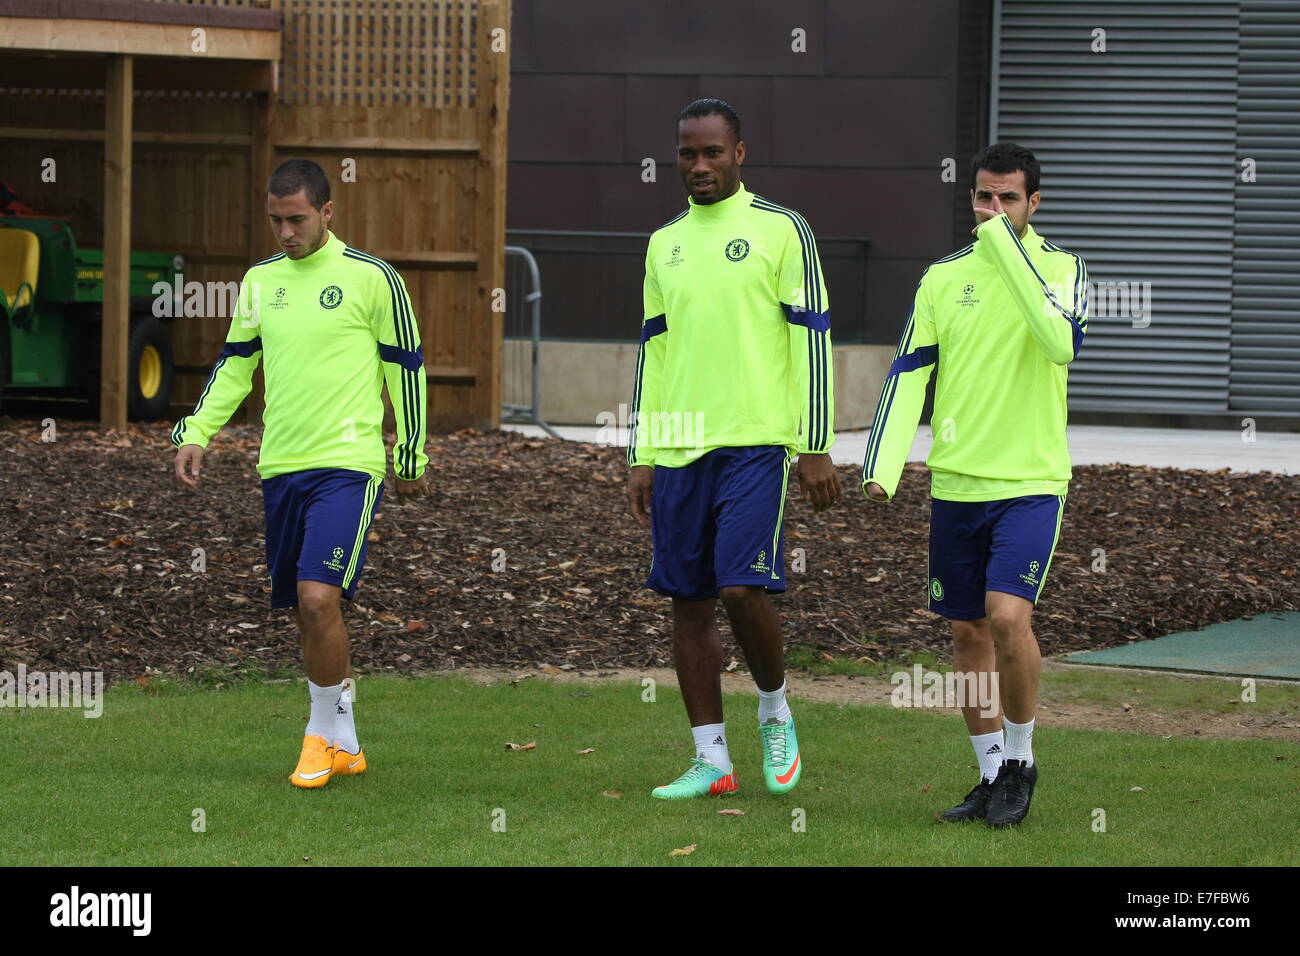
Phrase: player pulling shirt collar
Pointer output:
(1002, 319)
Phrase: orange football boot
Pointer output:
(316, 764)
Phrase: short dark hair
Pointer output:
(712, 107)
(1007, 158)
(293, 175)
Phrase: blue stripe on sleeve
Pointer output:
(652, 327)
(810, 258)
(818, 388)
(887, 395)
(811, 280)
(636, 404)
(816, 319)
(797, 315)
(1051, 296)
(230, 350)
(649, 329)
(1079, 321)
(411, 361)
(878, 426)
(823, 391)
(403, 330)
(925, 355)
(902, 356)
(242, 349)
(812, 388)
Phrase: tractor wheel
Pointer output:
(150, 369)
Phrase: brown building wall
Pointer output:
(852, 133)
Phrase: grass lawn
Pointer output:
(122, 789)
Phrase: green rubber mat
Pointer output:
(1267, 645)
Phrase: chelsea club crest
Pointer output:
(331, 296)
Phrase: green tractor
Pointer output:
(51, 307)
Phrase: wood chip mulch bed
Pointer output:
(524, 555)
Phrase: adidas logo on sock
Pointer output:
(995, 749)
(341, 710)
(718, 742)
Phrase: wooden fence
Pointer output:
(410, 94)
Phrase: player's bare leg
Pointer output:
(1019, 661)
(329, 744)
(973, 652)
(758, 630)
(697, 656)
(1018, 657)
(324, 635)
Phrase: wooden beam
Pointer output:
(117, 37)
(450, 374)
(382, 144)
(72, 71)
(260, 159)
(198, 254)
(204, 140)
(492, 98)
(429, 260)
(117, 244)
(142, 137)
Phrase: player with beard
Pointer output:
(734, 379)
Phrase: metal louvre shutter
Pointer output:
(1138, 146)
(1266, 294)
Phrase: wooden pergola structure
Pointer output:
(203, 98)
(100, 44)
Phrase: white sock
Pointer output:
(1020, 740)
(772, 705)
(711, 745)
(989, 749)
(345, 729)
(324, 704)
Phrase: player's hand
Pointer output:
(191, 456)
(406, 490)
(984, 213)
(818, 480)
(875, 492)
(640, 491)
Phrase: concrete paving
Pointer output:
(1260, 646)
(1089, 445)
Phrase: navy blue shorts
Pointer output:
(717, 522)
(978, 546)
(316, 527)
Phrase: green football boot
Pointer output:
(781, 765)
(703, 779)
